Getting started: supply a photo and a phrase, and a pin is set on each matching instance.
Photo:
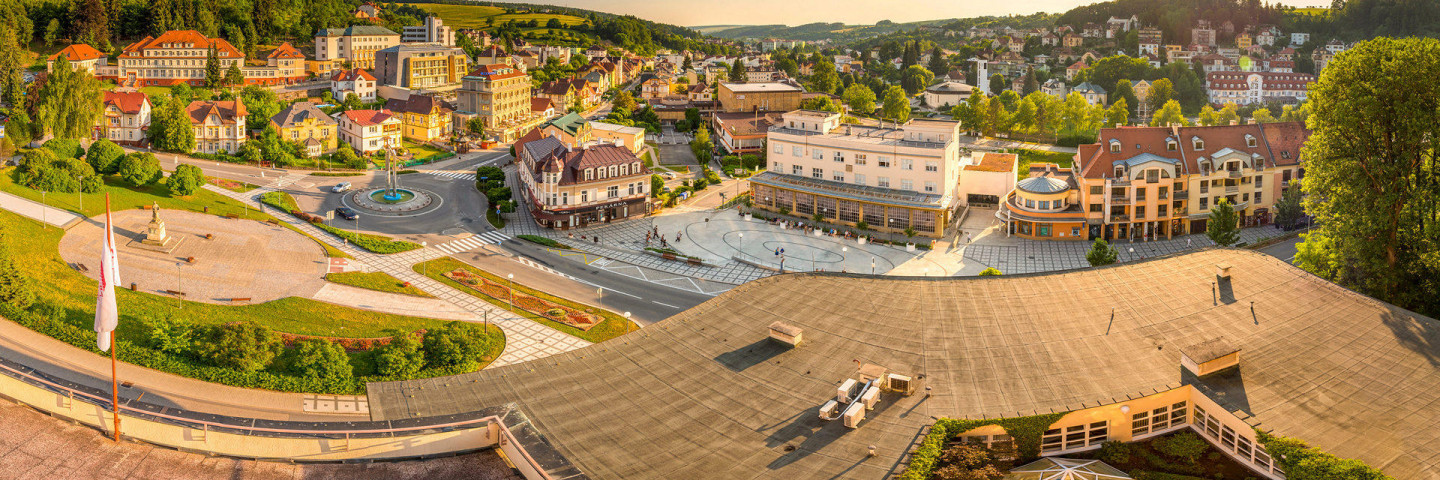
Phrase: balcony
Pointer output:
(1182, 194)
(1119, 200)
(1232, 189)
(1120, 182)
(1119, 218)
(1234, 173)
(1180, 211)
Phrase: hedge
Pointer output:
(135, 353)
(1025, 430)
(336, 174)
(373, 243)
(1300, 461)
(544, 241)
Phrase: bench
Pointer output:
(239, 300)
(81, 268)
(175, 293)
(233, 216)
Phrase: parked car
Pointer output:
(347, 213)
(340, 187)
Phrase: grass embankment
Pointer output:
(378, 281)
(373, 243)
(613, 326)
(420, 150)
(1028, 157)
(125, 197)
(481, 16)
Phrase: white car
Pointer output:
(340, 187)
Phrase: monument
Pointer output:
(157, 238)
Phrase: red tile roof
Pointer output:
(127, 102)
(1276, 144)
(540, 104)
(184, 37)
(285, 50)
(367, 118)
(496, 71)
(229, 111)
(351, 75)
(1269, 80)
(78, 52)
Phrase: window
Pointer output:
(1044, 204)
(1158, 419)
(632, 189)
(1042, 229)
(1139, 212)
(797, 170)
(930, 187)
(815, 153)
(797, 151)
(906, 184)
(614, 191)
(780, 149)
(883, 182)
(907, 164)
(1199, 144)
(1097, 190)
(859, 159)
(839, 157)
(1204, 187)
(932, 166)
(817, 172)
(1171, 145)
(1140, 193)
(1259, 196)
(777, 167)
(1075, 436)
(884, 162)
(1259, 181)
(1096, 208)
(1029, 203)
(859, 179)
(837, 176)
(1250, 141)
(1203, 201)
(1114, 146)
(564, 198)
(1162, 210)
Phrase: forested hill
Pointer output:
(839, 32)
(1353, 20)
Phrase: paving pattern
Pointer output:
(525, 339)
(1030, 256)
(472, 242)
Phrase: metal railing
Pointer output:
(1232, 188)
(1119, 199)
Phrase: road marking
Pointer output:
(454, 175)
(665, 304)
(471, 243)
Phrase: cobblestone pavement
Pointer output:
(525, 339)
(35, 446)
(1011, 255)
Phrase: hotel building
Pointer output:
(357, 45)
(179, 56)
(499, 95)
(420, 66)
(892, 178)
(574, 187)
(126, 118)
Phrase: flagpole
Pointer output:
(114, 368)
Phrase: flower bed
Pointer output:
(351, 344)
(553, 311)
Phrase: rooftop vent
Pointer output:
(1222, 270)
(786, 333)
(1210, 356)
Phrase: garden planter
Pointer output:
(667, 256)
(749, 217)
(862, 240)
(692, 261)
(909, 247)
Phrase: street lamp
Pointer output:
(511, 284)
(178, 304)
(44, 224)
(81, 191)
(872, 265)
(742, 244)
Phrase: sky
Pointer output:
(799, 12)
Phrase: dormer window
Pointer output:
(1250, 141)
(1119, 171)
(1198, 143)
(1171, 145)
(1114, 146)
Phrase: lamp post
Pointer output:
(178, 304)
(872, 265)
(44, 224)
(511, 284)
(742, 244)
(81, 191)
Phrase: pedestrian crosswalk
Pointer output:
(455, 175)
(471, 243)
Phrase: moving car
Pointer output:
(340, 187)
(347, 213)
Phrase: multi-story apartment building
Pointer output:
(1150, 40)
(1157, 182)
(433, 31)
(892, 178)
(369, 131)
(126, 118)
(1202, 34)
(356, 44)
(180, 56)
(420, 66)
(353, 82)
(302, 122)
(763, 97)
(577, 186)
(219, 126)
(424, 117)
(499, 95)
(1244, 88)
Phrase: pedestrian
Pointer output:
(1187, 243)
(967, 237)
(597, 239)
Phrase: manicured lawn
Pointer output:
(123, 197)
(231, 185)
(378, 281)
(196, 93)
(1036, 156)
(613, 326)
(420, 150)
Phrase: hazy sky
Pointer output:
(798, 12)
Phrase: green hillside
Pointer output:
(482, 16)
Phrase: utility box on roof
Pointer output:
(786, 333)
(1210, 356)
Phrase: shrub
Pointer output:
(400, 357)
(455, 343)
(967, 461)
(170, 334)
(543, 241)
(1101, 253)
(320, 358)
(16, 290)
(64, 147)
(497, 194)
(1115, 453)
(139, 169)
(862, 225)
(42, 169)
(991, 272)
(1185, 446)
(185, 181)
(1300, 461)
(104, 156)
(244, 346)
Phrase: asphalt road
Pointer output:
(1284, 250)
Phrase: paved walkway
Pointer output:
(393, 303)
(525, 339)
(40, 213)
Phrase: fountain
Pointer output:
(392, 200)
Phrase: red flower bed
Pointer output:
(538, 306)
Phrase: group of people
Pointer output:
(654, 234)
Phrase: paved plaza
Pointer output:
(245, 259)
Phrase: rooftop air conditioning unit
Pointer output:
(900, 383)
(827, 411)
(846, 389)
(854, 414)
(868, 398)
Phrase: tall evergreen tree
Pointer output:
(214, 75)
(938, 64)
(737, 71)
(1223, 226)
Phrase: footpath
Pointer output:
(40, 213)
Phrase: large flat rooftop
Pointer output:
(704, 394)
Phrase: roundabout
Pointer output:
(397, 202)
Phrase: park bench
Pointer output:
(81, 267)
(175, 293)
(240, 300)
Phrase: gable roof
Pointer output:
(367, 118)
(540, 104)
(570, 123)
(352, 75)
(285, 50)
(1276, 144)
(421, 104)
(299, 112)
(77, 52)
(183, 37)
(129, 103)
(228, 111)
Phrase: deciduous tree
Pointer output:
(245, 346)
(860, 99)
(185, 181)
(897, 105)
(1101, 253)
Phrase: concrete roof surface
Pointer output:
(704, 394)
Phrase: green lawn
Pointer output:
(475, 16)
(124, 197)
(378, 281)
(231, 185)
(613, 326)
(420, 150)
(1037, 156)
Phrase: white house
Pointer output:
(369, 130)
(357, 81)
(126, 118)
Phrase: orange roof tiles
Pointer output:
(368, 117)
(78, 52)
(126, 102)
(229, 111)
(185, 39)
(1276, 143)
(351, 75)
(285, 50)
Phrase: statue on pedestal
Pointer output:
(155, 232)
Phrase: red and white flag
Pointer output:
(107, 316)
